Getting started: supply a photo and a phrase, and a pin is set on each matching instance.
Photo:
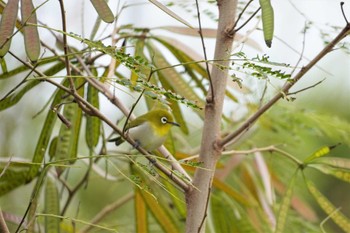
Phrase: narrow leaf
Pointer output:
(221, 212)
(103, 10)
(139, 47)
(267, 21)
(339, 218)
(283, 211)
(170, 12)
(7, 24)
(3, 65)
(173, 77)
(140, 213)
(233, 193)
(14, 98)
(190, 63)
(20, 69)
(160, 214)
(31, 34)
(175, 107)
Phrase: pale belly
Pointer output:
(143, 134)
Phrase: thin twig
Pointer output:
(65, 45)
(19, 84)
(306, 88)
(302, 51)
(240, 16)
(205, 53)
(247, 21)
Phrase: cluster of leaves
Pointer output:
(260, 67)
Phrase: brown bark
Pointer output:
(197, 198)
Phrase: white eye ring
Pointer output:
(164, 120)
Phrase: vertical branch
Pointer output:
(65, 46)
(197, 198)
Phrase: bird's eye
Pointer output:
(164, 120)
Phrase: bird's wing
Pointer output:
(138, 121)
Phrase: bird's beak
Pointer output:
(173, 123)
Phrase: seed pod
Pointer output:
(93, 124)
(7, 25)
(267, 21)
(31, 34)
(103, 10)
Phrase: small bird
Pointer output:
(149, 130)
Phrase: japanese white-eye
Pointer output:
(149, 130)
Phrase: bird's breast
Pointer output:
(148, 137)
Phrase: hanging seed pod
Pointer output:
(7, 24)
(267, 21)
(31, 34)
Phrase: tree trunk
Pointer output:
(197, 199)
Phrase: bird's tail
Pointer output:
(117, 140)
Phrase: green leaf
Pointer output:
(138, 54)
(173, 77)
(160, 214)
(267, 20)
(140, 213)
(3, 65)
(189, 63)
(340, 219)
(283, 210)
(54, 69)
(174, 105)
(221, 212)
(14, 98)
(243, 200)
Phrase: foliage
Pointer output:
(78, 182)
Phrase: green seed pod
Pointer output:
(267, 21)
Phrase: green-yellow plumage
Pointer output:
(151, 129)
